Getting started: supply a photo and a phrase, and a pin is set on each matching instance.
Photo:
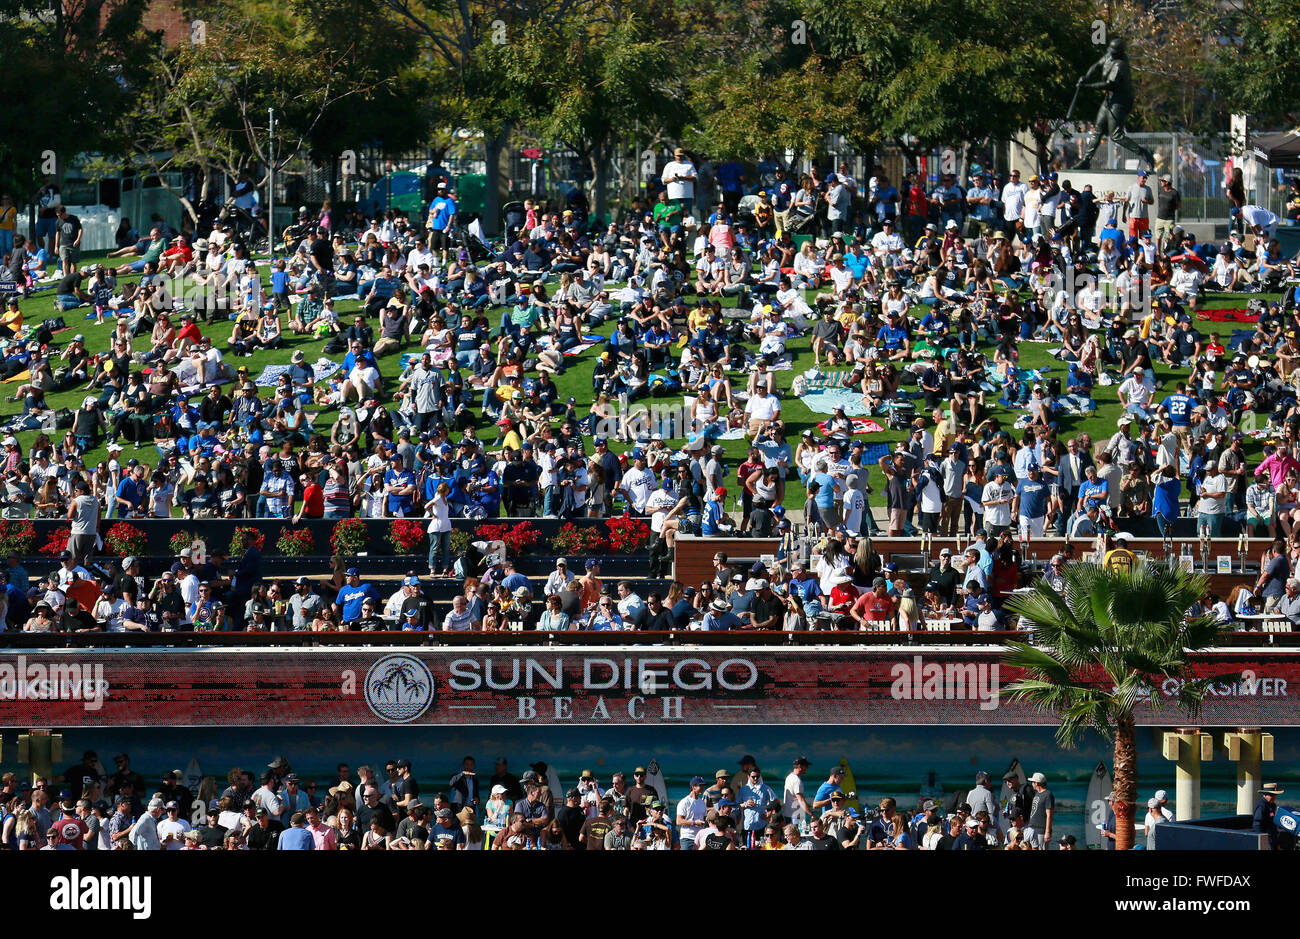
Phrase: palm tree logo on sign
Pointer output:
(399, 688)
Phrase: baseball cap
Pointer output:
(352, 570)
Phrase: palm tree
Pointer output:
(1103, 647)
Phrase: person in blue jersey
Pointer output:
(1093, 490)
(1031, 503)
(1178, 408)
(399, 485)
(352, 596)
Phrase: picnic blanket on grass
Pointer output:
(1228, 316)
(827, 400)
(321, 369)
(861, 425)
(1238, 337)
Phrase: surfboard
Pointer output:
(553, 781)
(1019, 770)
(655, 780)
(1094, 806)
(193, 778)
(849, 784)
(930, 789)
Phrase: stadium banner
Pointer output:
(567, 686)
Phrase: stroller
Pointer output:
(477, 250)
(901, 413)
(800, 224)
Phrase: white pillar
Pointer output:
(1249, 749)
(1187, 747)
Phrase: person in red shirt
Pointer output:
(752, 463)
(875, 608)
(843, 596)
(313, 498)
(918, 204)
(188, 333)
(177, 256)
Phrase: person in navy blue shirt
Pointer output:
(130, 493)
(399, 484)
(352, 595)
(1031, 502)
(712, 342)
(684, 609)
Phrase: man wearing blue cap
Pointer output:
(637, 483)
(399, 485)
(691, 812)
(1031, 503)
(352, 595)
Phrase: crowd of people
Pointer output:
(477, 427)
(88, 808)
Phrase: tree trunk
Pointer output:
(492, 146)
(1124, 795)
(599, 181)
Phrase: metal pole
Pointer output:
(270, 183)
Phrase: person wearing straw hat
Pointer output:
(1265, 810)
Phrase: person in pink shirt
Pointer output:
(323, 835)
(1277, 465)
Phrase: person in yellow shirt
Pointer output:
(11, 321)
(1119, 559)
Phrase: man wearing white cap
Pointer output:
(1041, 810)
(1211, 505)
(1157, 814)
(1134, 395)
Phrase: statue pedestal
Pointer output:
(1116, 181)
(1102, 181)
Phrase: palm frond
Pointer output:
(1105, 643)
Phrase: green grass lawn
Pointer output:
(576, 381)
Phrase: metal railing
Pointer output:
(802, 638)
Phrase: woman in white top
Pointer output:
(909, 614)
(790, 303)
(704, 411)
(1108, 258)
(161, 495)
(807, 269)
(805, 454)
(832, 563)
(895, 301)
(439, 531)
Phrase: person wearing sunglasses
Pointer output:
(1054, 575)
(606, 616)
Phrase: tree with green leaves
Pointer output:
(946, 72)
(1104, 647)
(1258, 61)
(583, 84)
(204, 104)
(462, 43)
(78, 65)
